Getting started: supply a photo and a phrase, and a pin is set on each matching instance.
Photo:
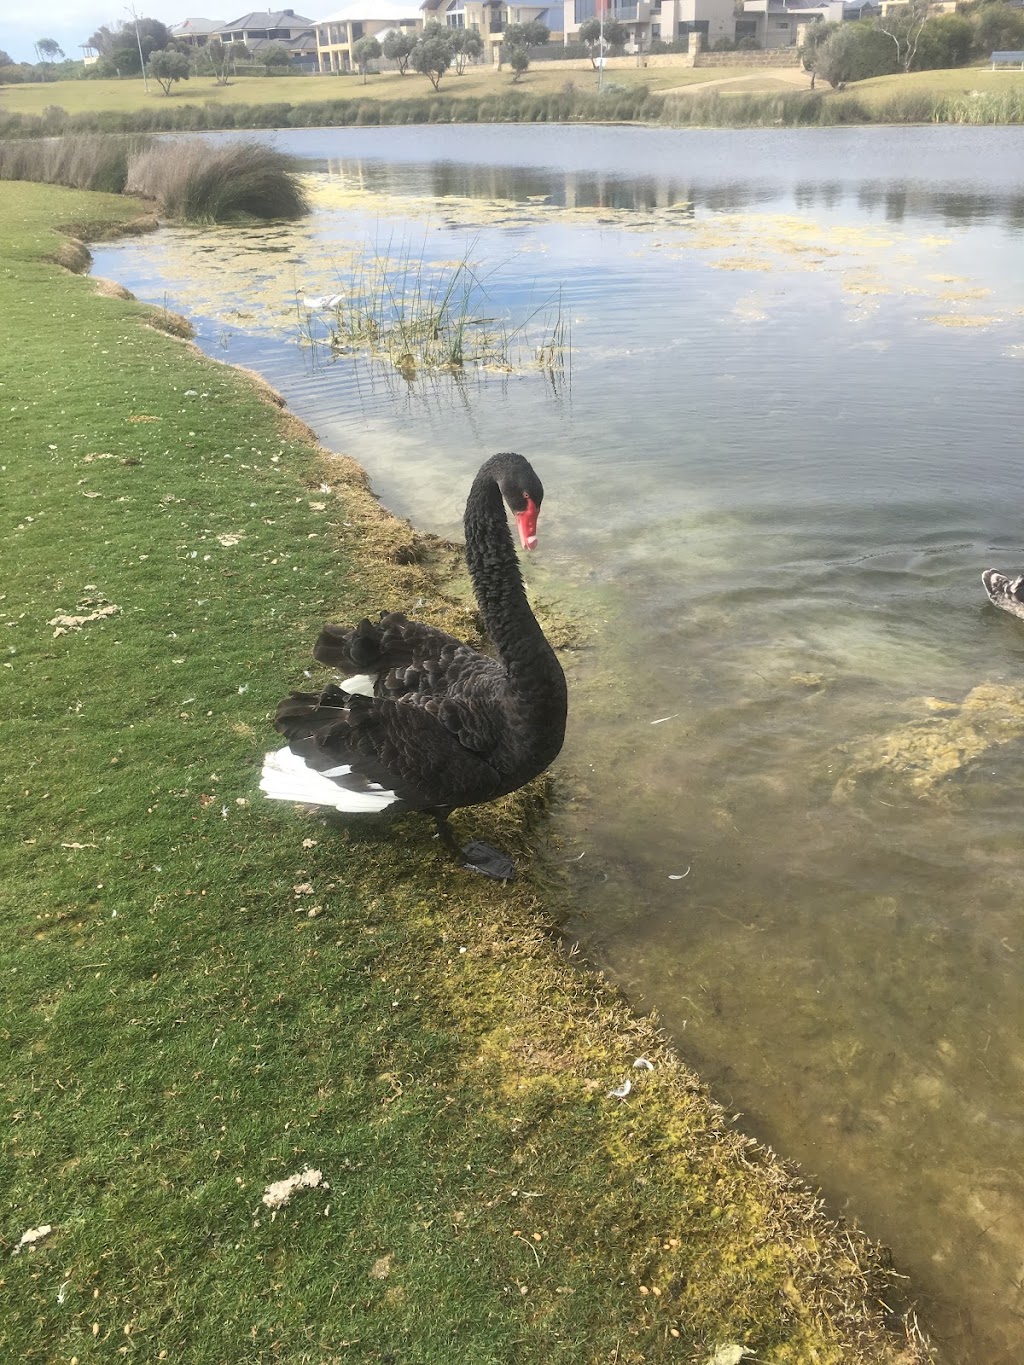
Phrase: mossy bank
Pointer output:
(204, 994)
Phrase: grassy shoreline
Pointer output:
(673, 97)
(205, 993)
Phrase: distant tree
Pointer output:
(903, 25)
(853, 52)
(433, 53)
(364, 51)
(152, 35)
(615, 35)
(946, 41)
(168, 67)
(833, 59)
(519, 60)
(532, 34)
(274, 54)
(122, 61)
(221, 58)
(998, 27)
(5, 58)
(814, 37)
(104, 40)
(47, 50)
(397, 47)
(467, 46)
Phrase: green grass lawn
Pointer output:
(86, 96)
(957, 82)
(204, 993)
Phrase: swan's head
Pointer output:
(524, 493)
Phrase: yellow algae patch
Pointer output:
(922, 755)
(866, 286)
(962, 320)
(961, 295)
(741, 263)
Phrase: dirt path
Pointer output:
(783, 75)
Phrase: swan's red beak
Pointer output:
(527, 523)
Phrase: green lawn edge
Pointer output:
(659, 96)
(204, 993)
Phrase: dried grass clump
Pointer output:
(73, 255)
(82, 161)
(199, 183)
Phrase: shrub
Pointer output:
(200, 183)
(944, 42)
(168, 67)
(854, 52)
(519, 61)
(997, 27)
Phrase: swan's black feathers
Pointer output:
(446, 726)
(388, 742)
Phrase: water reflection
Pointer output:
(944, 182)
(790, 445)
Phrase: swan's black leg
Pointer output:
(477, 856)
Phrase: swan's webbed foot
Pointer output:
(476, 856)
(490, 861)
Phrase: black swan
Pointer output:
(1004, 592)
(428, 723)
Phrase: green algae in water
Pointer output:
(925, 755)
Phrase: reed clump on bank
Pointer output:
(190, 180)
(82, 161)
(202, 184)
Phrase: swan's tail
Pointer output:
(287, 778)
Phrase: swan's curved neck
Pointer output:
(494, 568)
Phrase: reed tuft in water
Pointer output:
(421, 316)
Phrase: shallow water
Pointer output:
(784, 446)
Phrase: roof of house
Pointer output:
(197, 26)
(301, 43)
(278, 18)
(363, 10)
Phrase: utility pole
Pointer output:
(600, 42)
(142, 61)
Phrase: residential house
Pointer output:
(337, 34)
(263, 27)
(783, 23)
(196, 32)
(492, 17)
(651, 20)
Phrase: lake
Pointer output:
(780, 447)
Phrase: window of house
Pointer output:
(357, 30)
(455, 19)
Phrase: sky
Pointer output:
(70, 22)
